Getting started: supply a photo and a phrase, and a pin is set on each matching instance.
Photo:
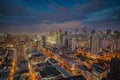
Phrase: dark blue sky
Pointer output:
(42, 15)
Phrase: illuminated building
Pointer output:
(9, 39)
(108, 34)
(59, 36)
(20, 54)
(94, 43)
(49, 73)
(69, 40)
(89, 74)
(2, 41)
(107, 44)
(84, 30)
(43, 41)
(38, 57)
(98, 72)
(31, 44)
(116, 47)
(76, 35)
(73, 44)
(51, 39)
(85, 38)
(65, 39)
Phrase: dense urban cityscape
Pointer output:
(58, 55)
(59, 39)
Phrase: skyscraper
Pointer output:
(43, 41)
(94, 42)
(69, 40)
(116, 41)
(73, 44)
(59, 36)
(84, 30)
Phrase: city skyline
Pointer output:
(59, 55)
(43, 15)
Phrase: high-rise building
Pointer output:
(108, 31)
(59, 37)
(115, 69)
(95, 48)
(20, 52)
(69, 40)
(65, 39)
(84, 30)
(43, 41)
(116, 41)
(76, 34)
(107, 44)
(73, 44)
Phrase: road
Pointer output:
(65, 73)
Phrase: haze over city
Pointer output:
(43, 15)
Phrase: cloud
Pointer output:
(41, 15)
(91, 6)
(105, 15)
(10, 9)
(43, 27)
(114, 25)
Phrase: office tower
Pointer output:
(2, 41)
(73, 44)
(94, 43)
(31, 44)
(108, 34)
(8, 39)
(52, 38)
(107, 44)
(115, 69)
(84, 30)
(65, 39)
(108, 31)
(43, 41)
(20, 52)
(76, 34)
(69, 40)
(101, 37)
(85, 38)
(59, 37)
(116, 43)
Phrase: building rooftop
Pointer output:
(43, 64)
(90, 70)
(83, 67)
(53, 61)
(49, 71)
(37, 54)
(99, 68)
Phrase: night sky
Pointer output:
(44, 15)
